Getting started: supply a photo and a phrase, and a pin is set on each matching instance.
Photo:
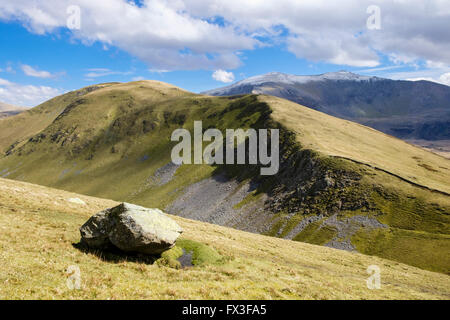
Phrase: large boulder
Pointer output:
(94, 233)
(131, 228)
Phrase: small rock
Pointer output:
(77, 201)
(131, 228)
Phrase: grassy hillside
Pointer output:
(17, 129)
(336, 137)
(39, 242)
(340, 184)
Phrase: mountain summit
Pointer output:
(405, 109)
(279, 77)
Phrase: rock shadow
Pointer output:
(115, 255)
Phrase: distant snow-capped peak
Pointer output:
(291, 79)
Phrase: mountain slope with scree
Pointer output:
(340, 184)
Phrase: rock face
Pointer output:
(131, 228)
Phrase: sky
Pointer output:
(49, 47)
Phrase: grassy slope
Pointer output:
(39, 228)
(418, 219)
(337, 137)
(112, 143)
(113, 118)
(26, 124)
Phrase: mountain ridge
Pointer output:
(291, 78)
(405, 109)
(114, 142)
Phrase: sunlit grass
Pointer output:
(39, 229)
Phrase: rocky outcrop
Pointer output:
(131, 228)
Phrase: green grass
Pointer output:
(422, 249)
(201, 254)
(278, 222)
(293, 221)
(412, 213)
(311, 234)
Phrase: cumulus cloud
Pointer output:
(186, 34)
(341, 49)
(25, 95)
(30, 71)
(223, 76)
(161, 33)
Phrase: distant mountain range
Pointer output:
(405, 109)
(7, 110)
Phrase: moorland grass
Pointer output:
(39, 230)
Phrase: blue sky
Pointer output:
(196, 46)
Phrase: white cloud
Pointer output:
(102, 72)
(138, 78)
(439, 73)
(223, 76)
(162, 33)
(8, 69)
(372, 70)
(25, 95)
(442, 79)
(336, 31)
(445, 79)
(4, 82)
(160, 71)
(340, 49)
(30, 71)
(180, 34)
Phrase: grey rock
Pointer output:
(347, 227)
(165, 174)
(342, 245)
(94, 233)
(131, 228)
(76, 201)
